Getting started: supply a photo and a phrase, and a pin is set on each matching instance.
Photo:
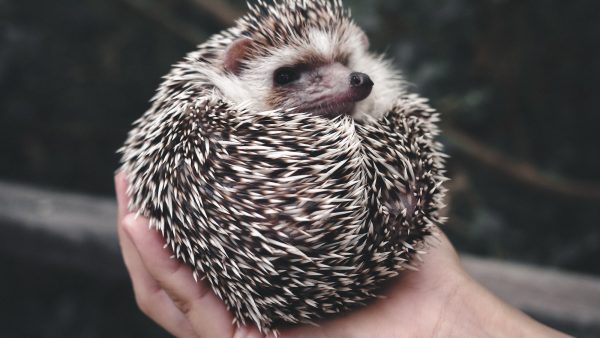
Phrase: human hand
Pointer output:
(439, 300)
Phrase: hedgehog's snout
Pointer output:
(361, 86)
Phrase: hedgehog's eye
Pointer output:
(286, 75)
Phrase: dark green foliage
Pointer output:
(52, 302)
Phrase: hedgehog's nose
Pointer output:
(360, 80)
(361, 86)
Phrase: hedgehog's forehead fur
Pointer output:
(276, 24)
(288, 33)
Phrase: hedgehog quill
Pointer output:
(287, 165)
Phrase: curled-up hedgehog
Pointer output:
(287, 165)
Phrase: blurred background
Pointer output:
(516, 82)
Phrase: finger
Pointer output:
(150, 297)
(247, 332)
(121, 193)
(205, 311)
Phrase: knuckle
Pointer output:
(174, 267)
(144, 304)
(184, 305)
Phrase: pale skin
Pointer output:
(439, 300)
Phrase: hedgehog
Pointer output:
(288, 166)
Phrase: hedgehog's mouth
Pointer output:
(334, 106)
(332, 109)
(343, 103)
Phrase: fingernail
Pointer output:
(128, 223)
(130, 219)
(241, 332)
(121, 194)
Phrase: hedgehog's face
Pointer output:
(326, 89)
(324, 72)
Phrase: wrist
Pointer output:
(473, 311)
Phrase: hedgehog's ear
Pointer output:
(235, 53)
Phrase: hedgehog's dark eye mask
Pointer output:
(286, 75)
